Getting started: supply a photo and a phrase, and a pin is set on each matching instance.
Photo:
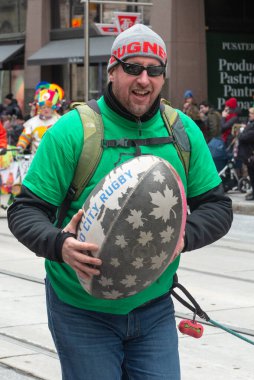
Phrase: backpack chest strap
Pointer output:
(126, 143)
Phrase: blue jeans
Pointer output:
(142, 345)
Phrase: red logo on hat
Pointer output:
(145, 47)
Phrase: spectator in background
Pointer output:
(212, 133)
(188, 101)
(11, 107)
(191, 109)
(246, 149)
(14, 129)
(230, 116)
(211, 119)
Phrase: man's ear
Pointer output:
(111, 74)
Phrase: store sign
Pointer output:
(125, 20)
(107, 29)
(230, 66)
(120, 22)
(75, 60)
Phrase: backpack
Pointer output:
(94, 144)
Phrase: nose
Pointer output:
(143, 78)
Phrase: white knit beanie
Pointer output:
(139, 40)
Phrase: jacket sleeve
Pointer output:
(31, 219)
(209, 219)
(228, 124)
(247, 135)
(3, 136)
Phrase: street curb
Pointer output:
(243, 208)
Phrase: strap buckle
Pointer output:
(124, 142)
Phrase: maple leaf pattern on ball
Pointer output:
(129, 280)
(105, 281)
(167, 235)
(147, 283)
(138, 262)
(113, 295)
(120, 241)
(132, 293)
(158, 260)
(115, 262)
(158, 177)
(165, 203)
(145, 237)
(135, 219)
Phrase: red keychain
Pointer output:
(191, 328)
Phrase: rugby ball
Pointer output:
(136, 214)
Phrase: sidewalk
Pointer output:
(26, 345)
(240, 205)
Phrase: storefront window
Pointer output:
(97, 81)
(70, 13)
(107, 11)
(12, 16)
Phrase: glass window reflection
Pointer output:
(12, 16)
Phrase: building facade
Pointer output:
(210, 47)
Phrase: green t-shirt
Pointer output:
(52, 170)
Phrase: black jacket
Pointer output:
(31, 220)
(246, 142)
(13, 109)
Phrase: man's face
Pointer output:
(46, 111)
(188, 100)
(251, 114)
(136, 93)
(6, 102)
(204, 109)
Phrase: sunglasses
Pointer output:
(135, 69)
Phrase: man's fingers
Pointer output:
(72, 225)
(74, 245)
(76, 218)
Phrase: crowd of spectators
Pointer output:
(226, 135)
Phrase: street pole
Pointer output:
(86, 46)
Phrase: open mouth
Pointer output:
(140, 93)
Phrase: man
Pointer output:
(246, 150)
(189, 104)
(11, 107)
(211, 119)
(134, 337)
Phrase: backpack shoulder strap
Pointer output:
(92, 149)
(90, 156)
(177, 130)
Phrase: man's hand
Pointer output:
(79, 255)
